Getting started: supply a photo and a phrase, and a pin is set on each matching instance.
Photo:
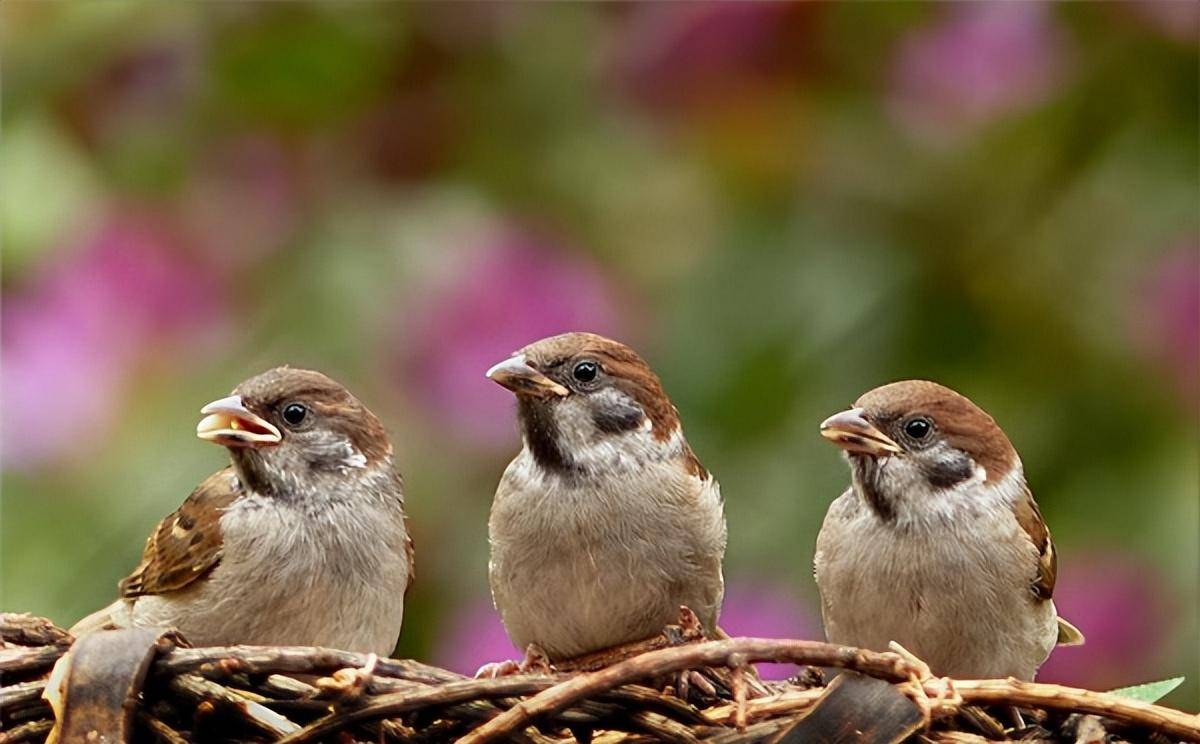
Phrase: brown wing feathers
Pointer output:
(1030, 519)
(187, 543)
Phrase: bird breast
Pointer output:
(579, 564)
(954, 591)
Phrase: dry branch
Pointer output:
(253, 694)
(885, 665)
(1169, 721)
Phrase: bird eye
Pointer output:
(294, 414)
(918, 428)
(585, 371)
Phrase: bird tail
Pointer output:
(1068, 634)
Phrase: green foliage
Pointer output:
(1150, 692)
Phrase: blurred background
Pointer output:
(780, 205)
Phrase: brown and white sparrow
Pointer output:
(302, 541)
(938, 543)
(606, 523)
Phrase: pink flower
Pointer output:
(758, 609)
(473, 637)
(1121, 608)
(1167, 322)
(60, 378)
(517, 289)
(977, 63)
(70, 338)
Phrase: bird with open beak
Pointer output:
(938, 544)
(606, 523)
(302, 541)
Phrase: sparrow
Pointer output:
(606, 523)
(938, 543)
(301, 541)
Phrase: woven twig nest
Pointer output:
(146, 686)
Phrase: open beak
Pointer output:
(851, 431)
(515, 374)
(228, 422)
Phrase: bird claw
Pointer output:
(348, 685)
(918, 670)
(689, 623)
(808, 678)
(495, 669)
(535, 662)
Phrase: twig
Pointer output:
(27, 732)
(663, 728)
(402, 702)
(1174, 723)
(739, 694)
(23, 629)
(21, 693)
(754, 734)
(777, 704)
(259, 716)
(406, 702)
(222, 662)
(957, 737)
(686, 634)
(21, 659)
(162, 732)
(637, 696)
(979, 718)
(886, 665)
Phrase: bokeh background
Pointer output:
(781, 205)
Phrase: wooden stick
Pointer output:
(886, 665)
(263, 718)
(1173, 723)
(777, 704)
(21, 693)
(34, 730)
(161, 731)
(222, 662)
(607, 698)
(23, 629)
(392, 704)
(22, 659)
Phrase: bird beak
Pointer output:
(228, 422)
(851, 431)
(515, 374)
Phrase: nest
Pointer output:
(142, 685)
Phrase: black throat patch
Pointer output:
(541, 436)
(253, 471)
(869, 477)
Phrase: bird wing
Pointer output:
(1030, 518)
(187, 544)
(711, 534)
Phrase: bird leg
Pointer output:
(535, 662)
(691, 630)
(347, 686)
(688, 630)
